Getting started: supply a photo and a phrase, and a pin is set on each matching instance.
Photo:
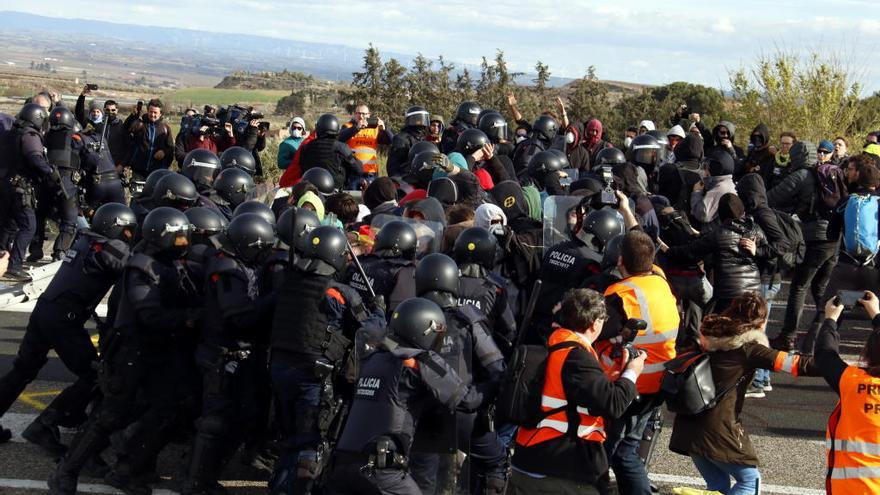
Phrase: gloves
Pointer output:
(443, 163)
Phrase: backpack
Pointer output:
(795, 248)
(832, 185)
(519, 400)
(6, 132)
(860, 236)
(688, 386)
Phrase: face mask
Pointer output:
(520, 138)
(627, 141)
(295, 133)
(569, 138)
(97, 119)
(497, 229)
(758, 141)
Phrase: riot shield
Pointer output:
(560, 219)
(429, 234)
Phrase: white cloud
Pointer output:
(723, 25)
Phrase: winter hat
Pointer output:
(486, 213)
(676, 130)
(730, 207)
(803, 154)
(720, 163)
(379, 191)
(298, 120)
(826, 145)
(648, 124)
(94, 105)
(470, 189)
(509, 196)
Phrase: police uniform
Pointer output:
(89, 269)
(29, 167)
(60, 154)
(139, 360)
(471, 351)
(100, 180)
(234, 307)
(334, 156)
(312, 332)
(487, 292)
(393, 390)
(391, 278)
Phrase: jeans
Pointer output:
(622, 448)
(717, 475)
(815, 272)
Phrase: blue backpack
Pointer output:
(860, 222)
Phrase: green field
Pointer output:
(201, 96)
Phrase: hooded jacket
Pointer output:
(430, 208)
(799, 193)
(704, 203)
(676, 180)
(734, 269)
(754, 196)
(718, 433)
(735, 151)
(760, 160)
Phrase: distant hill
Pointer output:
(285, 80)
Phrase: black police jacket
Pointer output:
(391, 278)
(487, 292)
(565, 266)
(398, 152)
(332, 155)
(30, 160)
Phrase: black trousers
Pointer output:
(813, 274)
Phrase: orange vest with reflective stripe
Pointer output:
(365, 144)
(852, 440)
(649, 297)
(554, 403)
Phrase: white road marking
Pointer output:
(28, 307)
(81, 488)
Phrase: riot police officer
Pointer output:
(313, 329)
(89, 268)
(231, 188)
(567, 264)
(100, 179)
(175, 191)
(390, 267)
(138, 357)
(234, 307)
(28, 168)
(475, 251)
(398, 382)
(544, 135)
(466, 117)
(543, 172)
(472, 352)
(329, 153)
(240, 158)
(142, 203)
(201, 166)
(322, 179)
(60, 194)
(293, 228)
(415, 128)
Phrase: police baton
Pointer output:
(360, 268)
(56, 176)
(530, 310)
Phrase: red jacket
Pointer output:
(293, 173)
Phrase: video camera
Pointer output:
(240, 117)
(607, 196)
(193, 125)
(632, 327)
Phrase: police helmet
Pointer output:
(166, 229)
(234, 185)
(494, 125)
(260, 209)
(468, 112)
(545, 128)
(416, 116)
(321, 178)
(563, 158)
(418, 323)
(420, 147)
(544, 162)
(437, 273)
(33, 115)
(475, 245)
(612, 252)
(176, 191)
(152, 179)
(114, 221)
(238, 157)
(470, 141)
(324, 251)
(201, 166)
(61, 118)
(609, 157)
(396, 239)
(295, 224)
(643, 150)
(599, 227)
(251, 236)
(660, 136)
(205, 223)
(327, 125)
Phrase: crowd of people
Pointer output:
(355, 330)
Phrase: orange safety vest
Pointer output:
(365, 144)
(852, 441)
(649, 297)
(555, 405)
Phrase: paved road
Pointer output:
(787, 427)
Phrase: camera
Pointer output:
(607, 195)
(92, 87)
(849, 298)
(193, 124)
(373, 122)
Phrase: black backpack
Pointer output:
(795, 247)
(519, 400)
(688, 386)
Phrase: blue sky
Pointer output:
(638, 41)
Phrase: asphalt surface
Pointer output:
(787, 427)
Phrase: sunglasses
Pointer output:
(297, 128)
(823, 152)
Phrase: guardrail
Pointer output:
(40, 277)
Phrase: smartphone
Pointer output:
(849, 298)
(140, 105)
(263, 125)
(92, 87)
(373, 122)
